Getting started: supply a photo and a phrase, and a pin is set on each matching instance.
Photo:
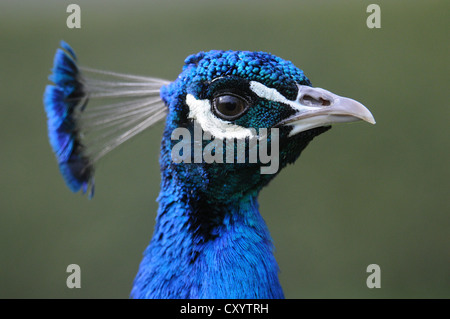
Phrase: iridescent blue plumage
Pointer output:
(61, 102)
(210, 240)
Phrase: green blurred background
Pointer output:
(359, 194)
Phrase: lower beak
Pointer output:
(318, 107)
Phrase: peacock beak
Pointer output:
(318, 107)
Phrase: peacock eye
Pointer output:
(229, 106)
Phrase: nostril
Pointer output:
(311, 101)
(325, 102)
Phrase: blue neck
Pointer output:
(207, 251)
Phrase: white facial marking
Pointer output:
(200, 111)
(267, 93)
(273, 95)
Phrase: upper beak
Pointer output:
(318, 107)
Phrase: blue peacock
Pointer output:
(210, 240)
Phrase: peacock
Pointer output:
(224, 114)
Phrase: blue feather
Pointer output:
(79, 135)
(61, 102)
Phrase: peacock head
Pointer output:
(237, 117)
(234, 119)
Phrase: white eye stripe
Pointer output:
(267, 93)
(273, 95)
(200, 111)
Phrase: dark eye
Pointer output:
(229, 106)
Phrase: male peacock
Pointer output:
(210, 240)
